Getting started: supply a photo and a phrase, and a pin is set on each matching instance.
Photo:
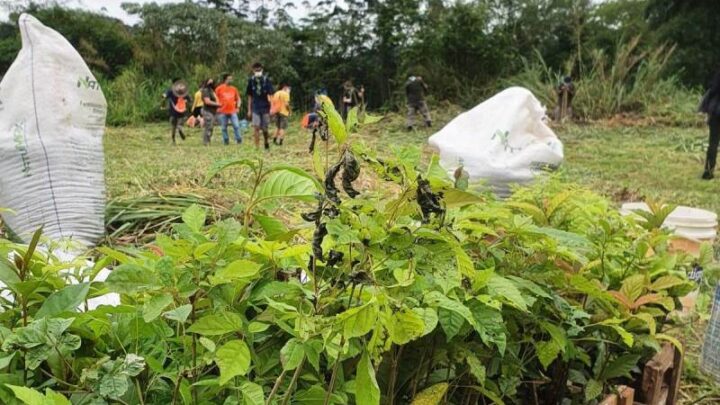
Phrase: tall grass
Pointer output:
(631, 81)
(134, 97)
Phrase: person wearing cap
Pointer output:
(178, 100)
(229, 98)
(259, 91)
(415, 89)
(209, 109)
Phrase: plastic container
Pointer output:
(692, 226)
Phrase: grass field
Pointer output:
(622, 160)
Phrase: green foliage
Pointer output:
(468, 304)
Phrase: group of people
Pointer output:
(221, 103)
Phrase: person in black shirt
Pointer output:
(350, 98)
(565, 93)
(710, 105)
(259, 89)
(178, 101)
(415, 89)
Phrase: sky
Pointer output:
(113, 7)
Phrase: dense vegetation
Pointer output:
(419, 291)
(461, 48)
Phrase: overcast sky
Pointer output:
(113, 7)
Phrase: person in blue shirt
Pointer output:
(259, 90)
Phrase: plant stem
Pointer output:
(295, 377)
(393, 375)
(333, 377)
(275, 387)
(139, 391)
(194, 352)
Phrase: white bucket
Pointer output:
(686, 222)
(692, 226)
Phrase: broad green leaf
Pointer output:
(458, 198)
(287, 184)
(194, 217)
(55, 398)
(477, 369)
(505, 290)
(292, 353)
(529, 209)
(626, 336)
(155, 306)
(432, 395)
(464, 262)
(113, 385)
(27, 395)
(451, 322)
(360, 320)
(675, 342)
(490, 325)
(593, 389)
(221, 165)
(335, 123)
(371, 119)
(257, 327)
(252, 394)
(633, 286)
(233, 358)
(454, 312)
(557, 334)
(217, 324)
(665, 283)
(405, 326)
(8, 275)
(31, 397)
(66, 300)
(5, 360)
(207, 344)
(429, 317)
(130, 278)
(235, 271)
(179, 314)
(352, 120)
(621, 366)
(547, 352)
(367, 391)
(273, 227)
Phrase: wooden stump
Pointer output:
(661, 377)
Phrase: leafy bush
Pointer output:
(418, 291)
(630, 81)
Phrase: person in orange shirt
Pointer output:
(281, 106)
(229, 99)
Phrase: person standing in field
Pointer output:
(259, 89)
(350, 98)
(229, 99)
(178, 100)
(197, 106)
(710, 105)
(209, 109)
(565, 93)
(281, 107)
(415, 89)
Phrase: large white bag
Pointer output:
(502, 141)
(52, 119)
